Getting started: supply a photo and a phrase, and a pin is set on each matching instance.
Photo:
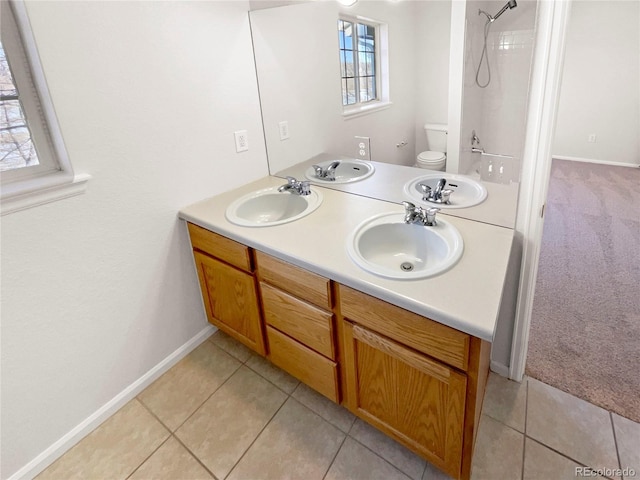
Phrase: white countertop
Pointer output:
(388, 181)
(467, 297)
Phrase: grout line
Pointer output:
(149, 456)
(269, 380)
(257, 436)
(524, 440)
(197, 408)
(615, 439)
(194, 456)
(562, 454)
(384, 459)
(334, 457)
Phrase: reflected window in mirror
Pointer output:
(359, 61)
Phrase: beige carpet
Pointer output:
(585, 329)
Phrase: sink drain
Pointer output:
(406, 266)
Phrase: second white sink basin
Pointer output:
(349, 171)
(268, 207)
(386, 246)
(466, 191)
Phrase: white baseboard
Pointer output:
(55, 451)
(595, 160)
(499, 368)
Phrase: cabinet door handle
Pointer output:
(403, 354)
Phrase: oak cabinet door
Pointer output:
(231, 301)
(411, 397)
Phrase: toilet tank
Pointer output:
(436, 136)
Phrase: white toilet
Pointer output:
(435, 158)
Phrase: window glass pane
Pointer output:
(349, 64)
(16, 149)
(366, 38)
(7, 87)
(348, 35)
(371, 63)
(343, 66)
(362, 64)
(371, 91)
(344, 91)
(341, 33)
(11, 114)
(351, 91)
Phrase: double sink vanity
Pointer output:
(368, 301)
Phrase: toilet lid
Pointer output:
(431, 157)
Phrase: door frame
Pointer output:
(544, 95)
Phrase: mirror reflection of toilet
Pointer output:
(435, 158)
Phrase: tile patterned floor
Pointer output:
(226, 413)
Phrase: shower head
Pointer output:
(510, 4)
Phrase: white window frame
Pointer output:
(53, 178)
(382, 100)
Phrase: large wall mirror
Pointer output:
(417, 63)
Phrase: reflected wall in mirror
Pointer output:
(297, 59)
(430, 52)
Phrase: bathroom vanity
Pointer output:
(410, 357)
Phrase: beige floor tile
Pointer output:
(180, 391)
(398, 455)
(114, 449)
(433, 473)
(498, 452)
(333, 413)
(297, 444)
(230, 345)
(225, 426)
(356, 462)
(506, 401)
(275, 375)
(170, 462)
(571, 426)
(628, 440)
(542, 463)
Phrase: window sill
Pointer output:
(76, 186)
(355, 112)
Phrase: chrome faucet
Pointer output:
(419, 215)
(294, 186)
(438, 194)
(328, 173)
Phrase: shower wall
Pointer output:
(497, 113)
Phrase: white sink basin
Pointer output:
(268, 207)
(466, 192)
(386, 246)
(348, 171)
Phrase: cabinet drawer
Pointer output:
(302, 283)
(220, 247)
(304, 322)
(437, 340)
(303, 363)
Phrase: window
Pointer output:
(358, 61)
(32, 153)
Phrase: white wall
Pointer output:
(599, 93)
(433, 31)
(296, 49)
(99, 288)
